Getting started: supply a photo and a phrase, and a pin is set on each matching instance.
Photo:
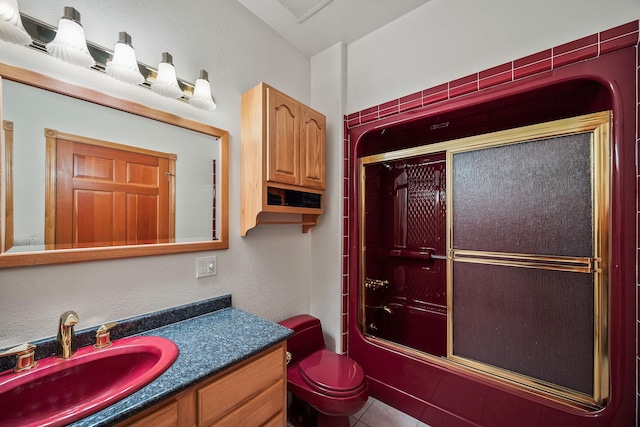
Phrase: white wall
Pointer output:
(447, 39)
(328, 81)
(267, 272)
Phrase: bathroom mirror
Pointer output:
(37, 111)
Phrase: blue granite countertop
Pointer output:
(209, 343)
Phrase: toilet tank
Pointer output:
(307, 337)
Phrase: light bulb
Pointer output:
(124, 66)
(69, 43)
(11, 28)
(202, 93)
(166, 83)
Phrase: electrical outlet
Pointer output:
(206, 266)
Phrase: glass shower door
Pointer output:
(526, 284)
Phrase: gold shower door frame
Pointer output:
(598, 125)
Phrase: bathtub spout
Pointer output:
(384, 308)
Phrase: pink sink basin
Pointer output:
(58, 392)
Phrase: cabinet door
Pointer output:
(283, 133)
(312, 148)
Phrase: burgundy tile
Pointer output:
(533, 68)
(366, 118)
(345, 284)
(345, 168)
(389, 108)
(500, 69)
(345, 149)
(345, 208)
(410, 105)
(344, 321)
(345, 349)
(353, 122)
(390, 104)
(618, 43)
(620, 30)
(345, 264)
(435, 94)
(409, 98)
(345, 230)
(464, 89)
(463, 81)
(496, 80)
(371, 110)
(345, 186)
(532, 59)
(638, 160)
(444, 87)
(353, 115)
(638, 88)
(346, 204)
(575, 56)
(576, 44)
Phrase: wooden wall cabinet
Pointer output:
(283, 160)
(253, 393)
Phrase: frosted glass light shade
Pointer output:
(202, 93)
(11, 28)
(166, 83)
(124, 65)
(69, 43)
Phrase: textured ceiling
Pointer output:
(329, 22)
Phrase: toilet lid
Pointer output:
(332, 373)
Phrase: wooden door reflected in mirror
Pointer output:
(194, 209)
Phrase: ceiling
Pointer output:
(328, 22)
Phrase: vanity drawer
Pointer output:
(262, 378)
(165, 416)
(260, 410)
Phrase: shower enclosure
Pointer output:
(492, 252)
(499, 266)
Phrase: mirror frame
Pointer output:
(31, 78)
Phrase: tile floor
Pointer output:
(378, 414)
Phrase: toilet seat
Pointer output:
(332, 374)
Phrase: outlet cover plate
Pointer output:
(206, 266)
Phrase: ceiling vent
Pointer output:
(304, 9)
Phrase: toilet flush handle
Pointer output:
(288, 357)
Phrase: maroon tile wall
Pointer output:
(585, 48)
(619, 37)
(345, 238)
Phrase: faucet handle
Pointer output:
(103, 338)
(25, 356)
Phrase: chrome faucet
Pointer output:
(66, 343)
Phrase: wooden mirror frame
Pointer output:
(31, 78)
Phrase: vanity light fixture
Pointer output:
(166, 83)
(124, 66)
(121, 63)
(11, 28)
(201, 97)
(69, 43)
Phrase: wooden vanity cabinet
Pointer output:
(283, 159)
(253, 393)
